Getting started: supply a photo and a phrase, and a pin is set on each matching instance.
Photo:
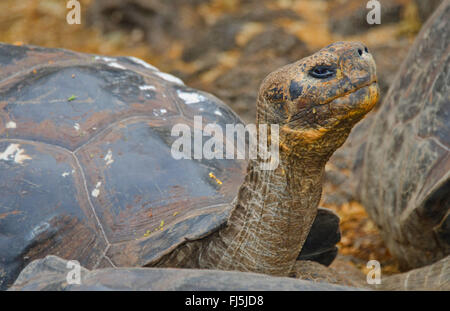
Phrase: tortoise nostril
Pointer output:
(360, 52)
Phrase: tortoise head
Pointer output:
(318, 99)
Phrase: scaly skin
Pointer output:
(274, 210)
(433, 277)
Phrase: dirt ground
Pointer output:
(226, 47)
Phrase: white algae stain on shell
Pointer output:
(96, 191)
(169, 77)
(109, 158)
(142, 63)
(147, 87)
(11, 125)
(14, 153)
(190, 97)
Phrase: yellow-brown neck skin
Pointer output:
(270, 221)
(274, 210)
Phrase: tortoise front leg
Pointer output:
(320, 245)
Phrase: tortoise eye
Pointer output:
(322, 72)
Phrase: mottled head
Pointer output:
(318, 99)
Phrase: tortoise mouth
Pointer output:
(359, 100)
(369, 86)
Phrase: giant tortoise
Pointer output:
(405, 183)
(88, 171)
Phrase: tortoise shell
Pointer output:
(406, 172)
(50, 273)
(85, 159)
(86, 165)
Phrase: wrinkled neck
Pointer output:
(272, 216)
